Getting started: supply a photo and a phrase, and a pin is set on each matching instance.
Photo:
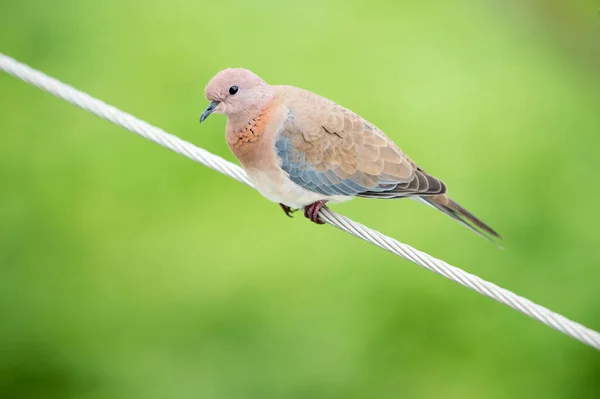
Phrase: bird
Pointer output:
(302, 150)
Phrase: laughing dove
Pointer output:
(302, 150)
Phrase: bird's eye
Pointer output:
(233, 90)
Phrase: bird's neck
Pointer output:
(249, 137)
(247, 127)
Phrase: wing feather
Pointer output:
(328, 149)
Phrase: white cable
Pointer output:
(118, 117)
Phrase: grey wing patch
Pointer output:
(304, 174)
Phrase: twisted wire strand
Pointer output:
(159, 136)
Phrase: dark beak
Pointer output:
(209, 110)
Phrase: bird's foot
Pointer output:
(288, 211)
(312, 211)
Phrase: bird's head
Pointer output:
(235, 91)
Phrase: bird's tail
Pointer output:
(455, 211)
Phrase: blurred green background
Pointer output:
(127, 271)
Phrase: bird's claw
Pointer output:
(288, 211)
(312, 211)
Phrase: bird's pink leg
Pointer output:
(312, 211)
(288, 211)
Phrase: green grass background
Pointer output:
(127, 271)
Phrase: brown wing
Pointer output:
(329, 149)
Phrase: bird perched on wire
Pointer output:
(302, 150)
